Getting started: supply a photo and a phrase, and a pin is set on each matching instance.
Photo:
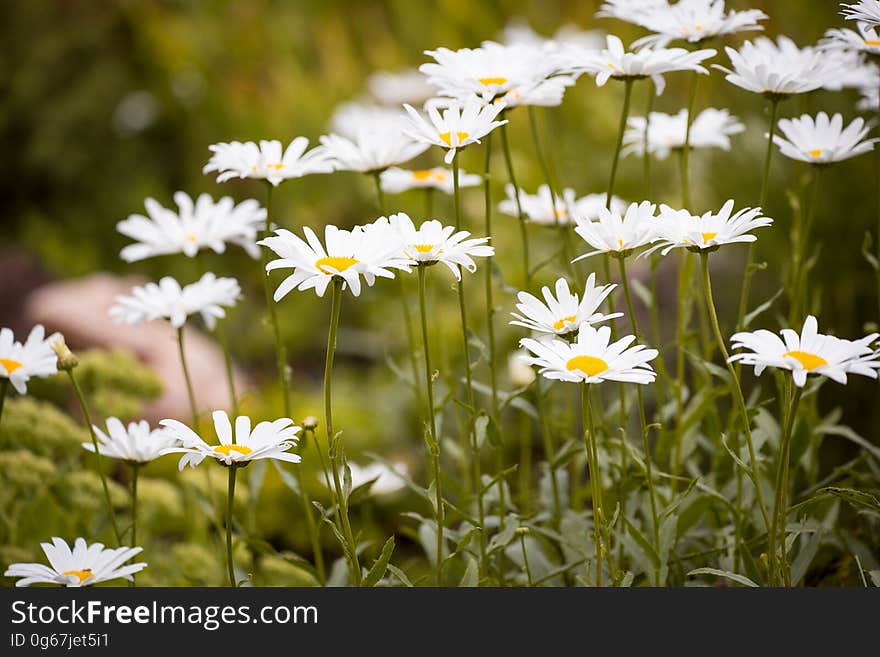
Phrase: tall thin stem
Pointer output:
(686, 147)
(88, 419)
(765, 184)
(780, 507)
(736, 387)
(595, 476)
(520, 215)
(4, 388)
(280, 349)
(135, 469)
(646, 153)
(229, 503)
(341, 501)
(193, 407)
(227, 363)
(432, 427)
(624, 114)
(643, 424)
(798, 300)
(549, 451)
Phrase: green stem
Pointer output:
(380, 193)
(429, 202)
(432, 427)
(135, 469)
(227, 362)
(595, 476)
(523, 232)
(643, 424)
(4, 388)
(798, 296)
(280, 349)
(686, 147)
(736, 388)
(624, 114)
(193, 407)
(522, 544)
(88, 418)
(765, 184)
(341, 501)
(229, 503)
(549, 451)
(780, 508)
(646, 155)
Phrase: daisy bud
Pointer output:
(66, 359)
(310, 423)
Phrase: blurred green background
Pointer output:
(105, 103)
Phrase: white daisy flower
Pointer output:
(870, 101)
(711, 128)
(808, 353)
(538, 208)
(83, 566)
(681, 229)
(205, 224)
(268, 161)
(457, 127)
(629, 10)
(564, 313)
(349, 254)
(823, 140)
(136, 442)
(591, 359)
(853, 71)
(19, 362)
(370, 139)
(779, 68)
(395, 89)
(385, 480)
(619, 231)
(615, 62)
(168, 300)
(865, 11)
(518, 32)
(493, 71)
(396, 180)
(520, 373)
(432, 242)
(694, 21)
(267, 440)
(866, 40)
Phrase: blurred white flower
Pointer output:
(681, 229)
(349, 254)
(385, 480)
(810, 352)
(518, 370)
(396, 181)
(592, 358)
(780, 68)
(823, 140)
(268, 161)
(168, 300)
(83, 566)
(395, 89)
(615, 62)
(136, 442)
(518, 32)
(711, 128)
(692, 21)
(267, 440)
(458, 126)
(539, 209)
(205, 224)
(866, 40)
(19, 362)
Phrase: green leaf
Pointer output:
(471, 574)
(849, 434)
(805, 558)
(380, 565)
(399, 574)
(740, 579)
(760, 309)
(481, 425)
(643, 543)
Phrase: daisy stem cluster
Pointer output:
(521, 218)
(595, 476)
(780, 506)
(334, 441)
(280, 349)
(433, 443)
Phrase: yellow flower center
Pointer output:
(423, 248)
(83, 574)
(487, 81)
(9, 364)
(589, 365)
(277, 166)
(872, 43)
(708, 236)
(808, 360)
(816, 152)
(447, 137)
(192, 238)
(227, 449)
(619, 244)
(334, 264)
(561, 323)
(428, 174)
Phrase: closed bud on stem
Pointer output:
(66, 359)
